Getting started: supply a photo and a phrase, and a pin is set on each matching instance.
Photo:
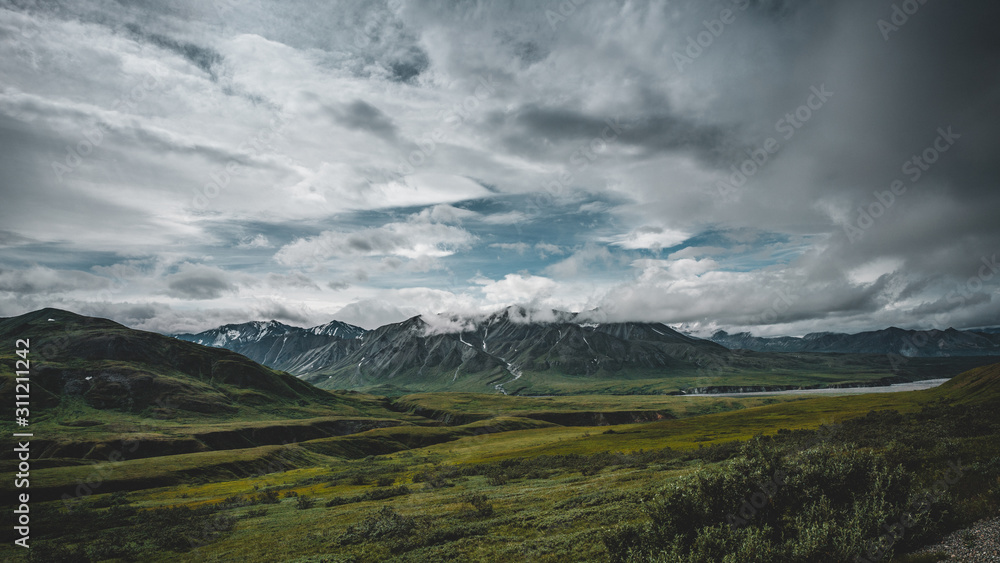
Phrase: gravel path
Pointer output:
(979, 543)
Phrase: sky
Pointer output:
(777, 166)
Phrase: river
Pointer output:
(911, 386)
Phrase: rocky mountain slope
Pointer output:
(909, 343)
(498, 349)
(280, 346)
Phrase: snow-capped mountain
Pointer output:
(280, 346)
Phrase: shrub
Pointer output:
(255, 513)
(480, 504)
(266, 497)
(374, 494)
(833, 503)
(384, 524)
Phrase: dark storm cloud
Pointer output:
(533, 127)
(41, 280)
(205, 58)
(8, 238)
(408, 64)
(359, 115)
(279, 312)
(193, 281)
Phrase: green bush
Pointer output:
(384, 524)
(374, 494)
(480, 504)
(833, 503)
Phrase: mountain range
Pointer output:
(280, 346)
(515, 350)
(499, 349)
(908, 343)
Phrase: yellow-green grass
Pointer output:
(135, 474)
(526, 515)
(174, 469)
(692, 432)
(489, 405)
(507, 437)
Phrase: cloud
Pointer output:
(373, 313)
(256, 241)
(545, 249)
(198, 281)
(205, 58)
(400, 148)
(695, 251)
(581, 261)
(362, 116)
(413, 239)
(518, 247)
(444, 213)
(283, 312)
(294, 279)
(444, 324)
(8, 238)
(42, 280)
(508, 218)
(517, 288)
(649, 237)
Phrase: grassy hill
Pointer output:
(95, 383)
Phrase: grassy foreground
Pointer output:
(510, 487)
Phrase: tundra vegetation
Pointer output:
(309, 475)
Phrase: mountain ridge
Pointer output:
(933, 343)
(284, 347)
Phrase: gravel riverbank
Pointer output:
(979, 543)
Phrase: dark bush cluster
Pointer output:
(840, 495)
(405, 533)
(373, 494)
(480, 504)
(384, 524)
(125, 533)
